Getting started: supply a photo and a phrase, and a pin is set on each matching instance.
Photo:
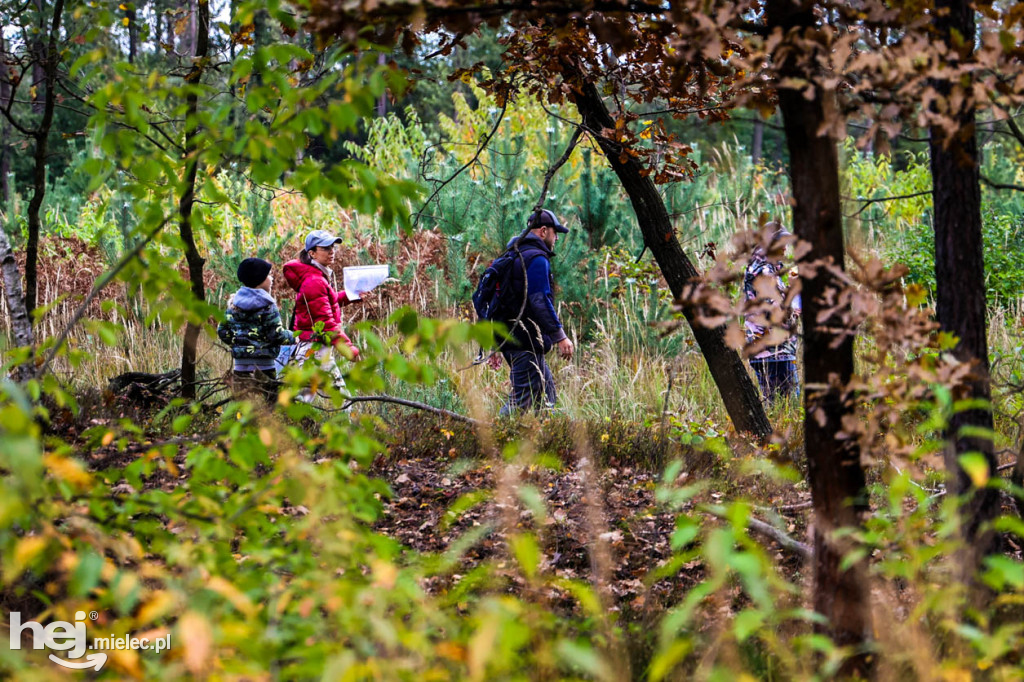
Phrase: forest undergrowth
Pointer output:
(397, 529)
(590, 494)
(631, 533)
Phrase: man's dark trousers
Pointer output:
(533, 386)
(778, 378)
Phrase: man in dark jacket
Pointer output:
(538, 328)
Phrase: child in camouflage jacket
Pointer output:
(253, 330)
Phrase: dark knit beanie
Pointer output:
(252, 272)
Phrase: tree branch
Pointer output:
(153, 123)
(483, 145)
(776, 535)
(868, 202)
(558, 164)
(445, 46)
(1001, 185)
(755, 119)
(408, 403)
(1015, 130)
(771, 532)
(6, 111)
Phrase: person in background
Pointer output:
(538, 329)
(317, 300)
(253, 330)
(774, 365)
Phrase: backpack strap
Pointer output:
(528, 254)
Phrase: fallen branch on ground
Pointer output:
(409, 403)
(769, 531)
(785, 541)
(799, 506)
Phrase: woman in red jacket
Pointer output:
(317, 301)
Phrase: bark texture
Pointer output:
(38, 50)
(741, 397)
(757, 141)
(187, 202)
(20, 324)
(960, 290)
(834, 470)
(51, 56)
(5, 98)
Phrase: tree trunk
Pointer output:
(260, 39)
(834, 471)
(741, 397)
(757, 143)
(188, 41)
(187, 202)
(158, 26)
(960, 289)
(1017, 478)
(20, 323)
(5, 153)
(38, 50)
(42, 136)
(382, 101)
(133, 34)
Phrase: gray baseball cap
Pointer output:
(320, 238)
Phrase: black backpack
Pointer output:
(493, 298)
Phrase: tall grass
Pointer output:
(607, 300)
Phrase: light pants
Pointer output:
(325, 355)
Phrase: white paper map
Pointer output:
(359, 279)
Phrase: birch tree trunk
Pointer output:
(20, 324)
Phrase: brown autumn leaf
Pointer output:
(195, 634)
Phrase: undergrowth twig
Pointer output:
(407, 403)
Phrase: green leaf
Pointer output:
(534, 501)
(684, 535)
(407, 321)
(1003, 571)
(527, 553)
(747, 623)
(465, 502)
(582, 657)
(947, 340)
(666, 660)
(584, 594)
(181, 423)
(976, 467)
(86, 575)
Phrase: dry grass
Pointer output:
(599, 381)
(622, 372)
